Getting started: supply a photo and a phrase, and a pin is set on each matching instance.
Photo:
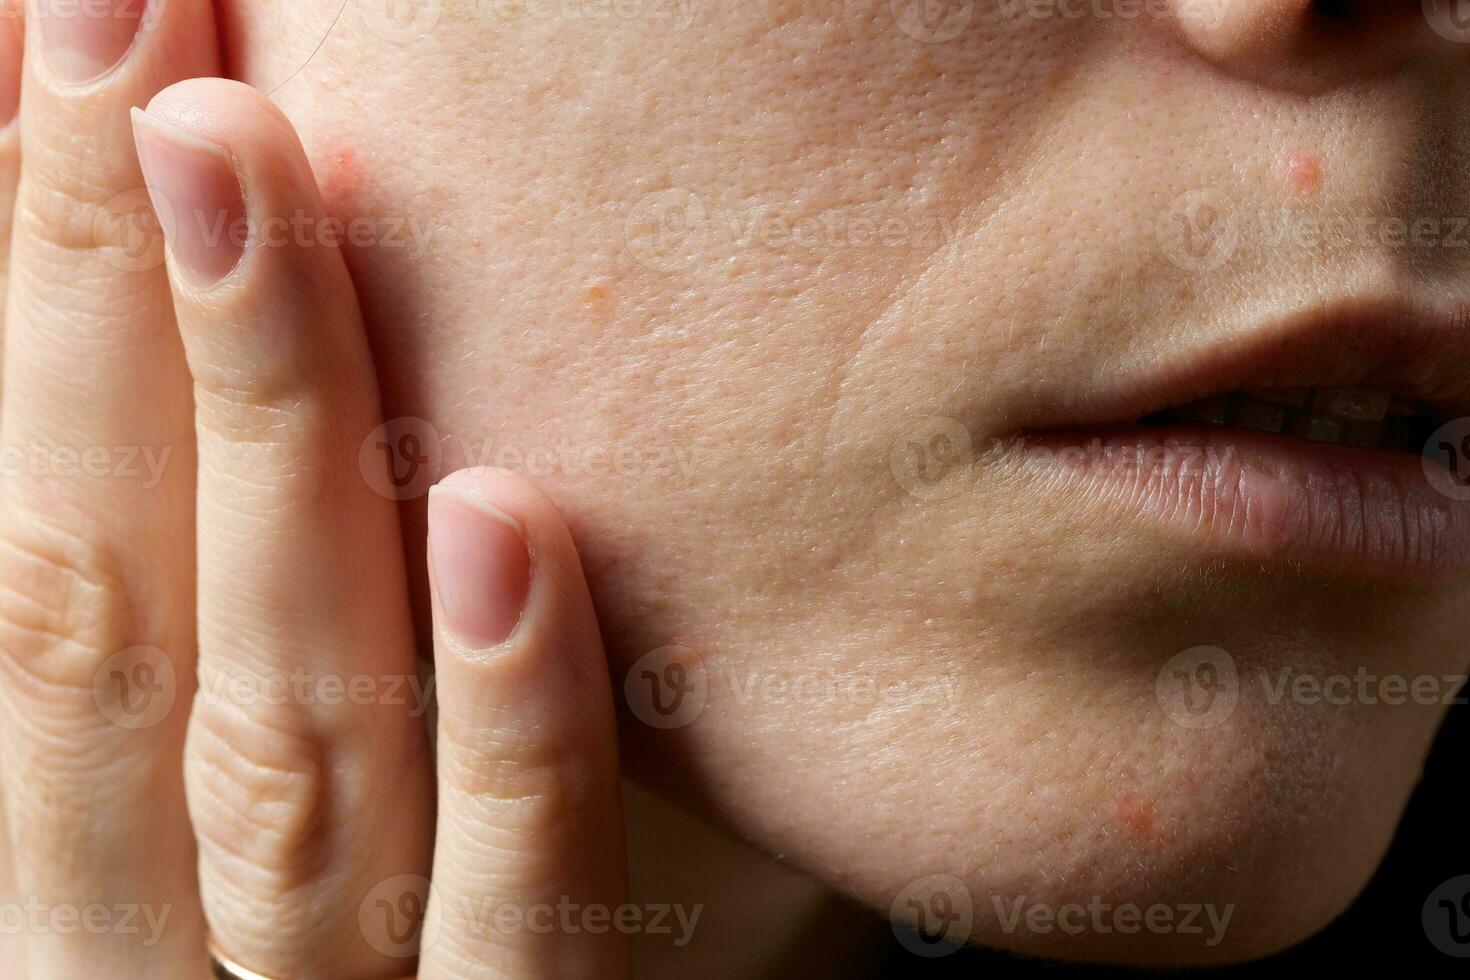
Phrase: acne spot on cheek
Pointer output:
(342, 177)
(1303, 172)
(598, 304)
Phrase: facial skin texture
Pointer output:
(865, 229)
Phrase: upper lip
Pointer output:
(1416, 353)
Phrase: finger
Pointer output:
(529, 861)
(307, 763)
(96, 520)
(12, 46)
(12, 943)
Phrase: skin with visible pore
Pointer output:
(708, 271)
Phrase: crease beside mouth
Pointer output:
(1365, 418)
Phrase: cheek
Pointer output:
(271, 43)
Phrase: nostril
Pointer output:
(1335, 10)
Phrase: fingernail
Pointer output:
(84, 38)
(482, 570)
(11, 53)
(196, 195)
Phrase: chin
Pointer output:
(1047, 791)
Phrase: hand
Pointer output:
(299, 760)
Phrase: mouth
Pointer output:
(1365, 418)
(1331, 439)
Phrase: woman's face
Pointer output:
(764, 293)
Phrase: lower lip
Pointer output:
(1268, 496)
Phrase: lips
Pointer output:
(1296, 440)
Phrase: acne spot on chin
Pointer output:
(1136, 816)
(1303, 172)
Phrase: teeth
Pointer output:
(1316, 426)
(1256, 415)
(1346, 416)
(1211, 411)
(1358, 404)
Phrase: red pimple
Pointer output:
(343, 179)
(1138, 817)
(1304, 172)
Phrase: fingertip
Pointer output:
(197, 195)
(511, 493)
(262, 140)
(508, 581)
(542, 527)
(480, 565)
(218, 157)
(542, 549)
(264, 288)
(201, 103)
(12, 59)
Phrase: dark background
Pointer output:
(1382, 929)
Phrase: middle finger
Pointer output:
(96, 541)
(307, 763)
